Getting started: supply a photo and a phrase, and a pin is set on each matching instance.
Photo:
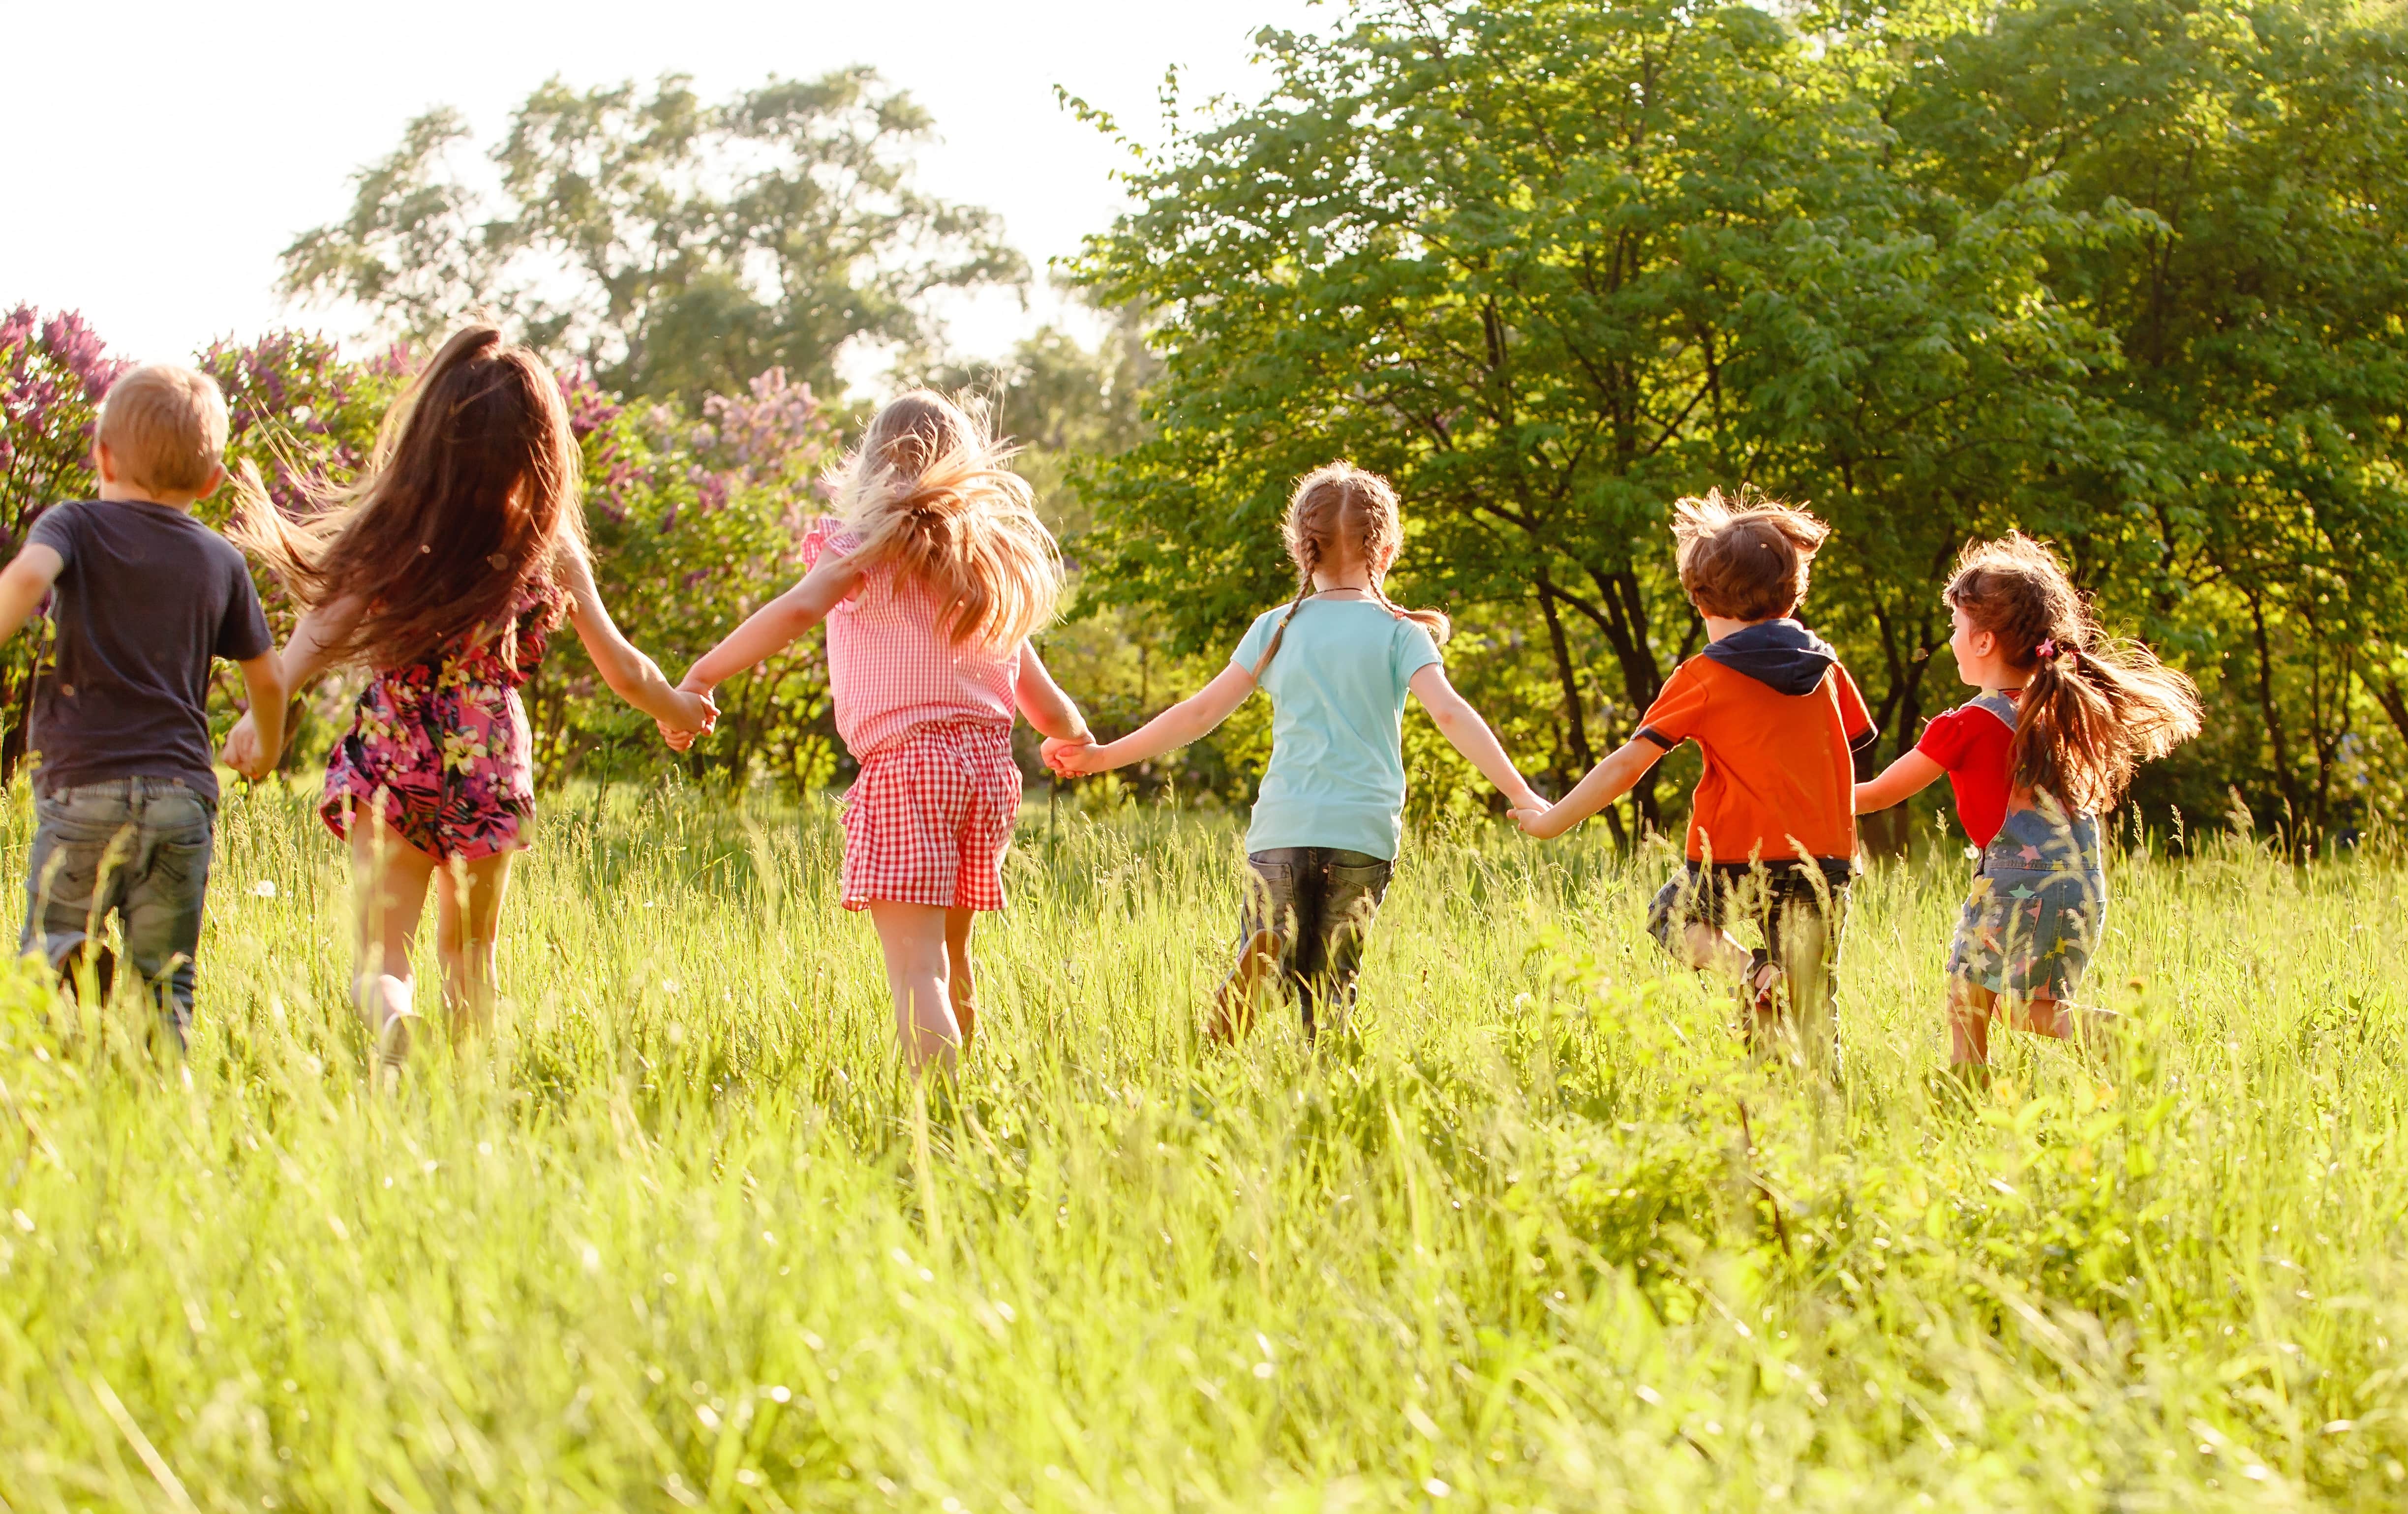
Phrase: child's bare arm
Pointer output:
(1462, 725)
(23, 582)
(1055, 713)
(257, 740)
(632, 676)
(312, 648)
(1606, 782)
(1908, 776)
(1175, 727)
(776, 625)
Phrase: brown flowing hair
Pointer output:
(471, 493)
(1341, 502)
(2093, 710)
(930, 495)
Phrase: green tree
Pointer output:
(2247, 507)
(673, 246)
(1549, 266)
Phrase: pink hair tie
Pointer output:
(2045, 649)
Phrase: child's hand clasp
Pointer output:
(1071, 758)
(242, 751)
(1540, 823)
(703, 715)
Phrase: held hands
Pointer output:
(243, 753)
(1538, 818)
(700, 714)
(1072, 756)
(1541, 821)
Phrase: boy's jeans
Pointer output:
(138, 847)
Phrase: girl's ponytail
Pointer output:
(2092, 709)
(2089, 718)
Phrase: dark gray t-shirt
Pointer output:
(147, 597)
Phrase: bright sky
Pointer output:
(162, 154)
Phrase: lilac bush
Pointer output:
(695, 519)
(53, 371)
(693, 515)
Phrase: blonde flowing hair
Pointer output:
(932, 496)
(1336, 503)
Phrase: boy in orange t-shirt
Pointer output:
(1772, 829)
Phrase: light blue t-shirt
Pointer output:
(1337, 777)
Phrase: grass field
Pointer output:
(1538, 1238)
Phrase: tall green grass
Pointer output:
(682, 1236)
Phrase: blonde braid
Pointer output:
(1433, 621)
(1311, 559)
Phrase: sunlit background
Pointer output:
(202, 139)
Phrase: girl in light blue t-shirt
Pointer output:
(1337, 660)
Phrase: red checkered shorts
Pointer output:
(930, 817)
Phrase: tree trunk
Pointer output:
(2394, 700)
(2283, 778)
(1566, 674)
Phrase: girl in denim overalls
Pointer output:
(2050, 744)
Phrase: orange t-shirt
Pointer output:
(1778, 771)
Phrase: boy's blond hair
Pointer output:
(931, 495)
(1745, 559)
(166, 427)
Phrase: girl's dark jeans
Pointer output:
(1318, 904)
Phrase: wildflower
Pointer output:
(264, 888)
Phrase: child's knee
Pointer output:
(465, 959)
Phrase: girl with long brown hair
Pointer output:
(931, 580)
(442, 571)
(2064, 717)
(1337, 660)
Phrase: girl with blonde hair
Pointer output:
(930, 579)
(1337, 660)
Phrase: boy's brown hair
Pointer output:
(166, 427)
(1745, 559)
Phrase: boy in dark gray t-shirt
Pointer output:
(143, 596)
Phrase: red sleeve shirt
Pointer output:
(1975, 746)
(1679, 712)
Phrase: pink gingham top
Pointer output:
(891, 668)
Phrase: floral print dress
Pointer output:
(442, 746)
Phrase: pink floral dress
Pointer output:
(442, 746)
